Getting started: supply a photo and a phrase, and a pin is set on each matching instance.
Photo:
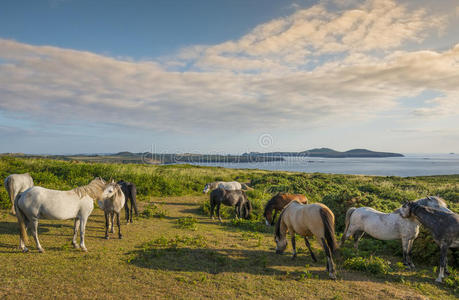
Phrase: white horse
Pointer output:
(229, 186)
(111, 207)
(387, 226)
(40, 203)
(15, 184)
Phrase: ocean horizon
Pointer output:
(407, 166)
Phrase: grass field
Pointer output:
(176, 251)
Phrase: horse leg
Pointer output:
(82, 229)
(306, 241)
(409, 252)
(212, 206)
(405, 247)
(35, 234)
(443, 254)
(218, 212)
(112, 219)
(119, 227)
(126, 210)
(132, 207)
(75, 232)
(357, 236)
(107, 224)
(293, 245)
(238, 210)
(330, 263)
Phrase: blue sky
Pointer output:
(228, 76)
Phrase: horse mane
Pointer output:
(93, 189)
(278, 223)
(424, 201)
(269, 204)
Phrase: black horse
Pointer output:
(236, 198)
(130, 192)
(443, 225)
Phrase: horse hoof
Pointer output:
(106, 237)
(84, 249)
(75, 246)
(438, 280)
(120, 237)
(25, 250)
(332, 276)
(41, 250)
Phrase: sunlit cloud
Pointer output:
(309, 68)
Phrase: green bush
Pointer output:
(187, 223)
(373, 264)
(153, 211)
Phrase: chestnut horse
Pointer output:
(278, 202)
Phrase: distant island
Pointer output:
(127, 157)
(328, 153)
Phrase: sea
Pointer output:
(407, 166)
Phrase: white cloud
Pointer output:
(312, 67)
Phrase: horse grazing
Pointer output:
(15, 184)
(111, 207)
(236, 198)
(307, 220)
(40, 203)
(443, 225)
(278, 202)
(229, 186)
(387, 226)
(130, 193)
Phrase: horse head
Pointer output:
(405, 210)
(110, 189)
(206, 188)
(279, 236)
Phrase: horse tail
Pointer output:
(21, 219)
(248, 206)
(9, 188)
(329, 228)
(347, 220)
(133, 192)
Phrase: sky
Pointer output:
(229, 76)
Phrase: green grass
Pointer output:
(174, 250)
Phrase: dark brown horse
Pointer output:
(130, 193)
(278, 202)
(236, 198)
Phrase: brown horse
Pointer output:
(278, 202)
(307, 220)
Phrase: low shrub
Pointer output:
(373, 264)
(187, 223)
(152, 210)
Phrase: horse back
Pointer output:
(304, 219)
(52, 204)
